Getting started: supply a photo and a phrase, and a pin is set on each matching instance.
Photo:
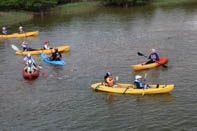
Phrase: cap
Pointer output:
(138, 77)
(153, 50)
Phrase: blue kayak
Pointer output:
(60, 62)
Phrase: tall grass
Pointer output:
(173, 2)
(9, 18)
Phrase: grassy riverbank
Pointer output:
(173, 2)
(9, 18)
(77, 7)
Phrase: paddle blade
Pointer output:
(15, 48)
(43, 73)
(165, 66)
(140, 54)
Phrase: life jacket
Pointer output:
(138, 84)
(154, 57)
(110, 81)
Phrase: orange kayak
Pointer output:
(161, 61)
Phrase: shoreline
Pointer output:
(13, 17)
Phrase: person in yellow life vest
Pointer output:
(46, 45)
(21, 31)
(30, 67)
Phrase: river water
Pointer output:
(103, 40)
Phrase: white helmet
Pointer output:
(3, 28)
(138, 77)
(153, 50)
(20, 27)
(28, 55)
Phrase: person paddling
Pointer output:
(4, 31)
(21, 31)
(46, 45)
(139, 83)
(30, 67)
(154, 57)
(56, 56)
(29, 57)
(24, 45)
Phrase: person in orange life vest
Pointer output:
(46, 45)
(21, 30)
(56, 56)
(109, 79)
(154, 57)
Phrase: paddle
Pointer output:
(15, 48)
(144, 82)
(140, 54)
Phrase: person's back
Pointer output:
(46, 45)
(21, 30)
(56, 56)
(4, 31)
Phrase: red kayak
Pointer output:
(31, 76)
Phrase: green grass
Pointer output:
(173, 2)
(9, 18)
(77, 7)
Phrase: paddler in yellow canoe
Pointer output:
(21, 31)
(139, 83)
(4, 31)
(109, 81)
(46, 45)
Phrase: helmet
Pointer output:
(56, 49)
(29, 61)
(20, 27)
(153, 50)
(138, 77)
(3, 28)
(28, 55)
(45, 42)
(109, 74)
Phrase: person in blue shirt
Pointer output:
(4, 31)
(139, 83)
(154, 57)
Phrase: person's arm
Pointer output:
(157, 57)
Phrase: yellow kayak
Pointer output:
(133, 91)
(18, 35)
(161, 61)
(39, 51)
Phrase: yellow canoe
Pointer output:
(18, 35)
(39, 51)
(161, 89)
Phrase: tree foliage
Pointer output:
(28, 4)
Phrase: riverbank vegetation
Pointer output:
(77, 7)
(173, 2)
(9, 18)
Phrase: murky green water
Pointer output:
(103, 40)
